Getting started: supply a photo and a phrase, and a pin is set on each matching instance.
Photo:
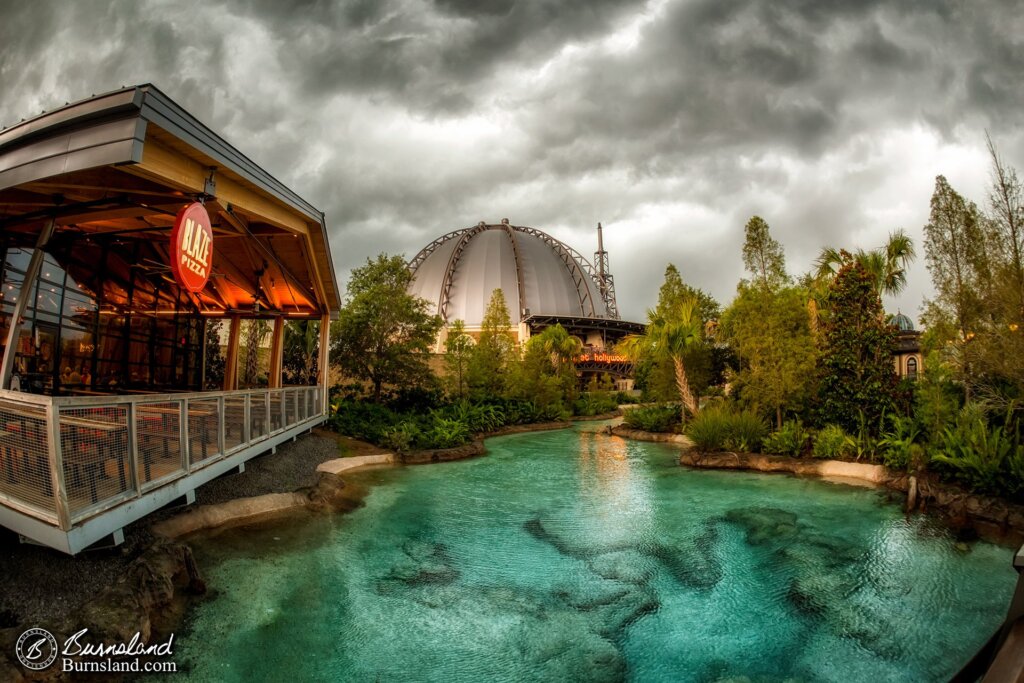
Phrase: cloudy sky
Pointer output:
(670, 121)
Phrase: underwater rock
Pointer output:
(763, 524)
(692, 561)
(619, 615)
(588, 593)
(536, 528)
(424, 564)
(563, 648)
(628, 566)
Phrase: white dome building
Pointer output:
(538, 274)
(544, 282)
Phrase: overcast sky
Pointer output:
(671, 122)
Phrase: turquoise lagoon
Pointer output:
(574, 555)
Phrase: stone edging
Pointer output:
(660, 437)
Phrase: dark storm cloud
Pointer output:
(403, 119)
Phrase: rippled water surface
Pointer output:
(572, 555)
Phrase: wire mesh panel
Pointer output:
(258, 416)
(300, 397)
(234, 420)
(158, 434)
(276, 410)
(203, 422)
(289, 398)
(94, 454)
(25, 469)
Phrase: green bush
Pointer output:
(899, 444)
(479, 418)
(790, 439)
(444, 433)
(716, 429)
(746, 432)
(663, 417)
(401, 438)
(594, 403)
(362, 420)
(986, 459)
(709, 430)
(832, 442)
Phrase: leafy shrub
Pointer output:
(746, 431)
(716, 429)
(987, 459)
(400, 438)
(362, 420)
(899, 444)
(594, 403)
(709, 430)
(832, 442)
(663, 417)
(482, 417)
(790, 439)
(444, 433)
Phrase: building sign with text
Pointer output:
(192, 247)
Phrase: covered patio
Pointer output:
(128, 230)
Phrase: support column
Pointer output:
(231, 362)
(324, 360)
(14, 332)
(276, 354)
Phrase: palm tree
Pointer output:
(559, 345)
(667, 337)
(887, 264)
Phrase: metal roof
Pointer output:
(112, 129)
(538, 275)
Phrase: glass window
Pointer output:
(912, 367)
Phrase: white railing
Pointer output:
(64, 459)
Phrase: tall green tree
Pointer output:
(771, 335)
(763, 256)
(954, 241)
(858, 380)
(668, 337)
(546, 374)
(458, 349)
(657, 375)
(384, 333)
(494, 351)
(1006, 202)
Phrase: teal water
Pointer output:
(572, 555)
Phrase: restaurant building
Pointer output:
(126, 228)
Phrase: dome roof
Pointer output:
(538, 274)
(902, 322)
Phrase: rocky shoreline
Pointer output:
(968, 514)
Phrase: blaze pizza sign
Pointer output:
(192, 247)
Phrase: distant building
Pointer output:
(907, 356)
(544, 281)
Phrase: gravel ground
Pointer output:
(41, 585)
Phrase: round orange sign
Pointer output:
(192, 247)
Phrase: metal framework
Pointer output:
(604, 275)
(581, 271)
